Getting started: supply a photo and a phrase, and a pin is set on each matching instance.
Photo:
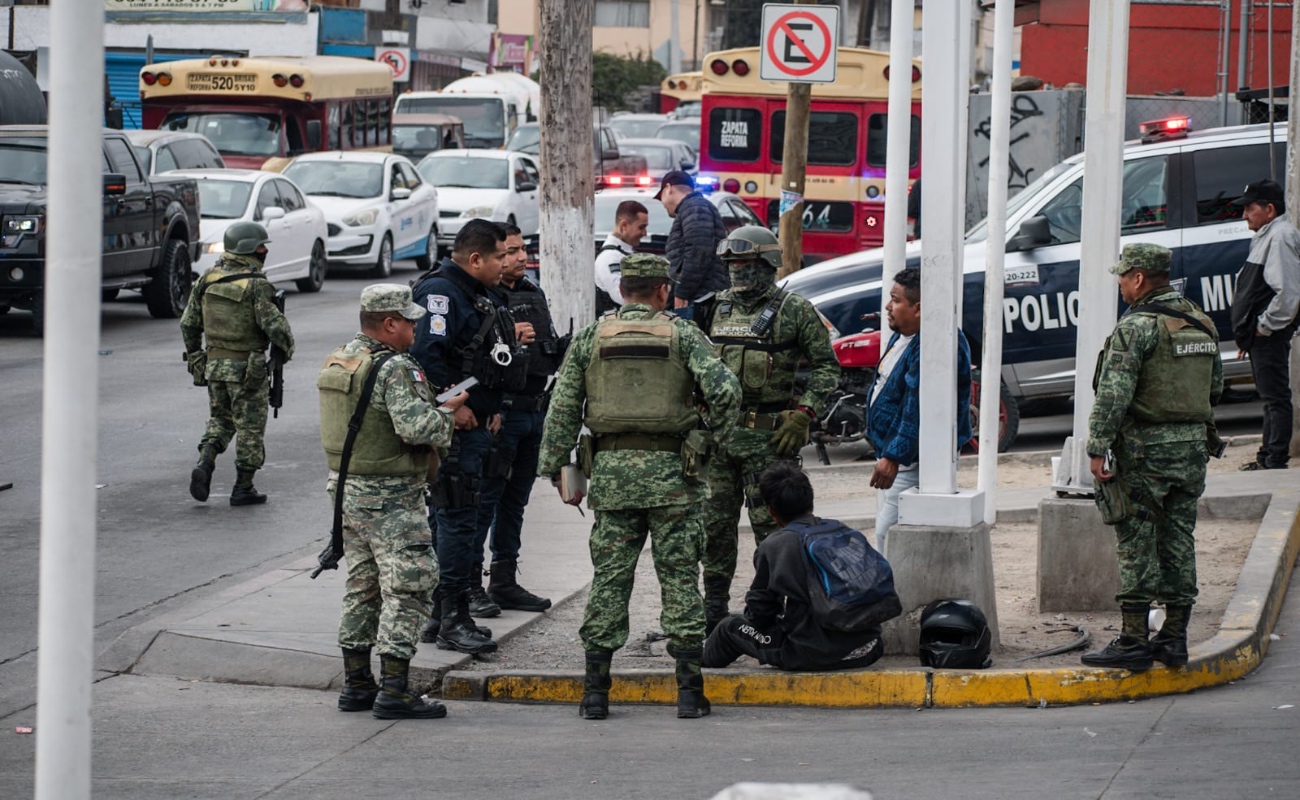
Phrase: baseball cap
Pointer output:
(1265, 191)
(390, 297)
(675, 178)
(644, 265)
(1143, 256)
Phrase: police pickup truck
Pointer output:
(1178, 190)
(151, 226)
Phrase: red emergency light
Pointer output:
(1158, 130)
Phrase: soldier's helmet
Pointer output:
(243, 238)
(749, 242)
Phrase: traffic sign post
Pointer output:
(398, 60)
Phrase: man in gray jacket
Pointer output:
(1264, 314)
(695, 269)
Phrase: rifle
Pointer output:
(277, 366)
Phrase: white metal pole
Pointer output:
(941, 272)
(1103, 169)
(965, 44)
(897, 146)
(996, 244)
(71, 393)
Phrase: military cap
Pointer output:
(1143, 256)
(644, 265)
(390, 297)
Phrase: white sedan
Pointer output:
(499, 185)
(377, 206)
(296, 227)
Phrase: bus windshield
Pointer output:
(223, 199)
(237, 133)
(484, 117)
(334, 178)
(471, 173)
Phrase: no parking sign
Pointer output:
(799, 43)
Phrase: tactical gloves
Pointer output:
(198, 366)
(793, 433)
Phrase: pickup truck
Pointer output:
(606, 158)
(151, 226)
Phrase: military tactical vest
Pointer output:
(637, 381)
(378, 450)
(1175, 380)
(749, 347)
(527, 304)
(229, 318)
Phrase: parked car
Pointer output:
(498, 185)
(606, 158)
(417, 135)
(686, 131)
(165, 151)
(296, 227)
(733, 210)
(377, 207)
(661, 155)
(636, 126)
(151, 226)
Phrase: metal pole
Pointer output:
(965, 37)
(1243, 44)
(996, 249)
(1292, 188)
(1225, 19)
(1272, 117)
(897, 144)
(1103, 169)
(69, 433)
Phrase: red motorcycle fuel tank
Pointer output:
(858, 350)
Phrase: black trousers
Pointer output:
(1270, 361)
(736, 636)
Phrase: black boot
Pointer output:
(691, 702)
(359, 687)
(1130, 650)
(458, 631)
(506, 592)
(717, 591)
(480, 605)
(430, 633)
(595, 685)
(394, 702)
(201, 475)
(244, 494)
(1169, 646)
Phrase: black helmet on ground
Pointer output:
(955, 635)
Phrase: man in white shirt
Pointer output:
(630, 221)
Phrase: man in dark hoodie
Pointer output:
(695, 269)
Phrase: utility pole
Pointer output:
(567, 179)
(794, 169)
(1292, 186)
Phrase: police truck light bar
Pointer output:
(1159, 130)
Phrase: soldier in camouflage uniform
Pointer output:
(1156, 380)
(761, 333)
(233, 307)
(387, 543)
(636, 371)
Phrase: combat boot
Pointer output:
(691, 702)
(1169, 646)
(201, 475)
(717, 592)
(394, 702)
(1130, 650)
(595, 685)
(359, 687)
(506, 592)
(480, 605)
(458, 631)
(244, 494)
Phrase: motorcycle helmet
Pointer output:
(955, 635)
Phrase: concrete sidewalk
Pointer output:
(280, 628)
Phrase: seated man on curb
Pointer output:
(779, 627)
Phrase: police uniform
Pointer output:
(233, 308)
(1156, 381)
(630, 377)
(467, 332)
(762, 333)
(386, 539)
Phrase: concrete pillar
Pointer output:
(1078, 565)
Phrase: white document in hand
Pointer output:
(572, 483)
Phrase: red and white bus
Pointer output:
(742, 136)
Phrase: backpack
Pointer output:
(850, 585)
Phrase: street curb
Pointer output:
(1236, 650)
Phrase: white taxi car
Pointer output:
(377, 206)
(296, 227)
(499, 185)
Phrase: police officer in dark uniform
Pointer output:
(467, 333)
(512, 467)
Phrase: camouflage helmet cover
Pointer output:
(751, 241)
(243, 238)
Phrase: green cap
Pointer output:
(390, 297)
(644, 265)
(1143, 256)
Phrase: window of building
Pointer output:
(622, 13)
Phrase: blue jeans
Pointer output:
(454, 527)
(887, 505)
(504, 498)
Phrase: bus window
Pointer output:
(359, 124)
(735, 134)
(877, 131)
(385, 121)
(373, 123)
(333, 126)
(232, 132)
(832, 138)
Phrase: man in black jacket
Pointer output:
(778, 627)
(695, 269)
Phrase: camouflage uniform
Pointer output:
(387, 543)
(239, 319)
(635, 492)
